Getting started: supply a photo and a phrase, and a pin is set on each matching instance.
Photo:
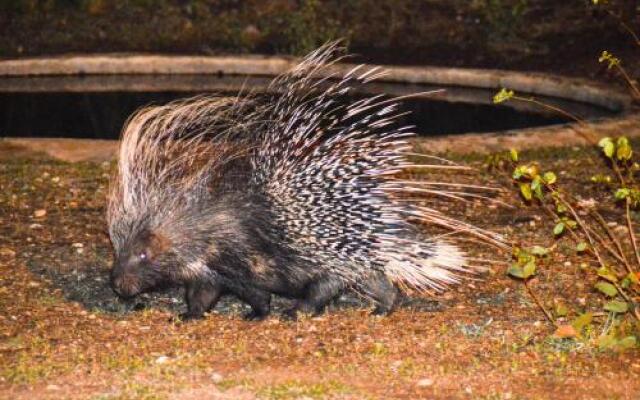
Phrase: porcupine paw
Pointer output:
(254, 315)
(290, 315)
(188, 317)
(380, 310)
(302, 309)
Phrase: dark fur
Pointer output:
(251, 263)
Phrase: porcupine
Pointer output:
(293, 192)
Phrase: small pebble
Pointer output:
(426, 382)
(53, 387)
(216, 377)
(162, 360)
(40, 213)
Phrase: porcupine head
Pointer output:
(162, 214)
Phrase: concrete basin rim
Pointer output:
(531, 83)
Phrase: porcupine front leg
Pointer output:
(318, 294)
(259, 300)
(201, 296)
(382, 291)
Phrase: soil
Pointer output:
(64, 334)
(559, 37)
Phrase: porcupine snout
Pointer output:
(123, 281)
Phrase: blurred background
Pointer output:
(542, 35)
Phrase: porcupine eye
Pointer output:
(142, 256)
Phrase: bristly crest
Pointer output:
(168, 160)
(328, 164)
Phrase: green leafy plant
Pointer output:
(613, 262)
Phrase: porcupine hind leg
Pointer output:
(201, 296)
(382, 291)
(259, 300)
(318, 294)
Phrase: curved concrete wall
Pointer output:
(530, 83)
(140, 68)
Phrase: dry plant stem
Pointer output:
(602, 242)
(614, 239)
(539, 303)
(589, 138)
(630, 81)
(620, 255)
(632, 234)
(618, 173)
(582, 225)
(598, 240)
(625, 26)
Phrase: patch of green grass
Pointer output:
(133, 391)
(227, 384)
(124, 362)
(33, 364)
(295, 389)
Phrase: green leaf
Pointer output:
(516, 271)
(606, 342)
(513, 153)
(525, 272)
(607, 288)
(623, 149)
(529, 269)
(604, 273)
(617, 306)
(570, 223)
(627, 343)
(525, 189)
(608, 147)
(503, 95)
(558, 229)
(519, 171)
(550, 178)
(539, 251)
(561, 310)
(622, 193)
(582, 320)
(629, 280)
(582, 246)
(539, 193)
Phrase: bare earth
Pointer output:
(63, 334)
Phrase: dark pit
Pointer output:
(97, 106)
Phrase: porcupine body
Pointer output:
(294, 193)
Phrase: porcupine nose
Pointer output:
(122, 283)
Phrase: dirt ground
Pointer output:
(564, 37)
(63, 333)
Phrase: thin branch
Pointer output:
(632, 234)
(539, 303)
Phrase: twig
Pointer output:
(582, 225)
(585, 136)
(625, 26)
(537, 300)
(602, 242)
(632, 234)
